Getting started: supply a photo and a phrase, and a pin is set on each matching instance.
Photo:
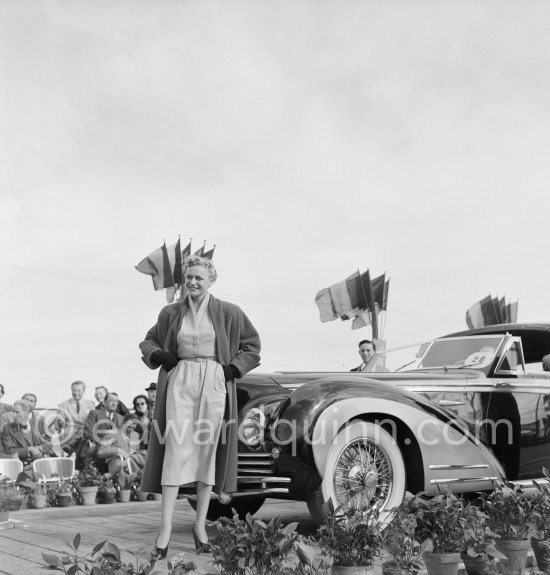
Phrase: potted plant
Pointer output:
(479, 553)
(352, 538)
(399, 540)
(438, 522)
(252, 546)
(139, 495)
(107, 491)
(88, 481)
(37, 493)
(124, 482)
(10, 498)
(540, 540)
(510, 515)
(64, 493)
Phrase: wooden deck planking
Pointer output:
(130, 526)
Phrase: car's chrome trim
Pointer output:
(529, 482)
(262, 463)
(262, 479)
(264, 471)
(463, 480)
(255, 455)
(456, 466)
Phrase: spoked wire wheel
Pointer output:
(364, 468)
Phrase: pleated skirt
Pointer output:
(195, 404)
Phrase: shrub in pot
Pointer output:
(10, 498)
(399, 541)
(88, 481)
(242, 546)
(107, 491)
(439, 522)
(540, 539)
(37, 493)
(351, 537)
(510, 515)
(64, 493)
(479, 553)
(124, 483)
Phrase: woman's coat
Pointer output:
(238, 343)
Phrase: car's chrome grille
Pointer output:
(255, 472)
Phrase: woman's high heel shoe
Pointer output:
(199, 545)
(159, 552)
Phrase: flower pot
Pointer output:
(141, 495)
(64, 499)
(124, 495)
(341, 570)
(157, 497)
(441, 563)
(88, 494)
(476, 565)
(4, 516)
(391, 568)
(38, 501)
(541, 549)
(516, 553)
(108, 496)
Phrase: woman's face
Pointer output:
(197, 282)
(140, 405)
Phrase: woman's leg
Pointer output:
(203, 501)
(169, 495)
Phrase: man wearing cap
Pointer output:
(152, 394)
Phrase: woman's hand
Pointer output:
(230, 372)
(167, 360)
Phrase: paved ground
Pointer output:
(131, 526)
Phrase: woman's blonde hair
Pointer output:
(207, 264)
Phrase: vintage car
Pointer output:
(459, 412)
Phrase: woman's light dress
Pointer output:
(195, 402)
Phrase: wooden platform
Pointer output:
(129, 525)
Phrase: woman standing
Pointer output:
(201, 344)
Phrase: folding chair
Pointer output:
(51, 469)
(11, 468)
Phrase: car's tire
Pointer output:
(242, 507)
(364, 468)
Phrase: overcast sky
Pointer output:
(305, 139)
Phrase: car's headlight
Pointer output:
(253, 427)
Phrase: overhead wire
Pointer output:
(136, 286)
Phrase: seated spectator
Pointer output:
(139, 421)
(101, 393)
(36, 422)
(152, 395)
(20, 438)
(100, 435)
(546, 362)
(77, 409)
(4, 407)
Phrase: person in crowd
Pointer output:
(100, 436)
(546, 362)
(20, 438)
(100, 394)
(152, 395)
(202, 345)
(367, 349)
(35, 421)
(4, 407)
(139, 421)
(77, 409)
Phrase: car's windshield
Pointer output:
(474, 352)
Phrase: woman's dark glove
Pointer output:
(230, 372)
(167, 360)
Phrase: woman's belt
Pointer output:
(199, 359)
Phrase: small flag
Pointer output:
(208, 255)
(157, 265)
